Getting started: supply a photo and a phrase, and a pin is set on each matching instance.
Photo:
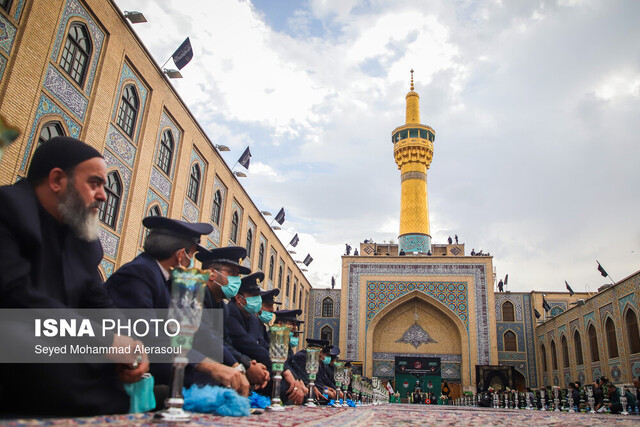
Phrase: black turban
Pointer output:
(60, 152)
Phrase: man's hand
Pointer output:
(127, 373)
(294, 392)
(131, 365)
(225, 375)
(258, 375)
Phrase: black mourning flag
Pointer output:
(569, 289)
(183, 54)
(280, 217)
(601, 270)
(333, 282)
(545, 305)
(307, 260)
(245, 159)
(294, 241)
(537, 313)
(506, 279)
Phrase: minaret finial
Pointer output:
(412, 79)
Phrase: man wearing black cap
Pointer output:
(266, 315)
(293, 386)
(225, 264)
(242, 324)
(299, 362)
(49, 257)
(144, 283)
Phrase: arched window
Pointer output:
(326, 333)
(165, 152)
(327, 307)
(249, 245)
(565, 352)
(577, 341)
(295, 289)
(109, 209)
(510, 342)
(76, 52)
(631, 321)
(154, 211)
(612, 341)
(217, 208)
(280, 277)
(554, 356)
(234, 227)
(593, 344)
(507, 312)
(288, 288)
(261, 257)
(50, 130)
(271, 267)
(543, 357)
(6, 5)
(301, 301)
(128, 111)
(194, 186)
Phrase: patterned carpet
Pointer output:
(384, 415)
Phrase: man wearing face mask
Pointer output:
(144, 283)
(224, 283)
(293, 388)
(242, 320)
(299, 361)
(266, 315)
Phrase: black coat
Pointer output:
(44, 265)
(241, 332)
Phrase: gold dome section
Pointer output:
(413, 105)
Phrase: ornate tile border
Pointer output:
(3, 65)
(530, 344)
(166, 122)
(107, 267)
(125, 173)
(128, 74)
(47, 106)
(629, 299)
(7, 35)
(71, 9)
(160, 183)
(516, 300)
(65, 92)
(18, 14)
(452, 295)
(190, 211)
(121, 145)
(481, 297)
(109, 242)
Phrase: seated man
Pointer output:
(144, 283)
(225, 282)
(50, 257)
(293, 389)
(299, 362)
(266, 315)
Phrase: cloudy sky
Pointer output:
(536, 107)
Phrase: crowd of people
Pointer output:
(599, 396)
(50, 257)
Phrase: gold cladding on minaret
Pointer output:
(413, 151)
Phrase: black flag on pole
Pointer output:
(307, 260)
(183, 54)
(294, 241)
(280, 217)
(537, 313)
(333, 282)
(545, 304)
(506, 279)
(601, 270)
(569, 289)
(245, 159)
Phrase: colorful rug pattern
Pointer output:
(384, 415)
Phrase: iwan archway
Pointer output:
(419, 325)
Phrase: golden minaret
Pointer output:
(413, 151)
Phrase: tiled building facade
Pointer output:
(76, 68)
